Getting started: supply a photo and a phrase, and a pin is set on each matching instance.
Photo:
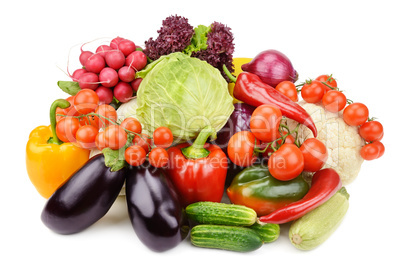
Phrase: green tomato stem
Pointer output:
(63, 104)
(197, 150)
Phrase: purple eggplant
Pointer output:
(154, 208)
(85, 198)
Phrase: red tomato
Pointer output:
(107, 115)
(241, 148)
(315, 154)
(66, 129)
(144, 141)
(132, 124)
(158, 157)
(288, 89)
(163, 137)
(286, 163)
(86, 101)
(312, 92)
(371, 131)
(70, 111)
(355, 114)
(372, 151)
(100, 141)
(277, 144)
(334, 101)
(90, 120)
(135, 155)
(115, 137)
(329, 80)
(264, 122)
(86, 136)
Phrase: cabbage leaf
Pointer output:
(184, 94)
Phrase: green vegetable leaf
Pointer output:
(70, 87)
(115, 158)
(199, 40)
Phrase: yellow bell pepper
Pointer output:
(237, 63)
(50, 162)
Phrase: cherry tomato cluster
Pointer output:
(110, 71)
(286, 158)
(324, 89)
(90, 125)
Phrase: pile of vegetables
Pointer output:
(164, 128)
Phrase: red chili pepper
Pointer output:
(325, 183)
(198, 171)
(250, 89)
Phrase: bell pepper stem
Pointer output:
(231, 76)
(63, 104)
(197, 150)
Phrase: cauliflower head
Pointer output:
(343, 142)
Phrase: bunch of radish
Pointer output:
(110, 71)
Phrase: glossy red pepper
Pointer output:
(325, 183)
(250, 89)
(198, 171)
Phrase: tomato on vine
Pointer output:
(158, 157)
(371, 131)
(66, 128)
(329, 82)
(313, 91)
(315, 154)
(334, 101)
(372, 151)
(355, 114)
(144, 141)
(265, 121)
(135, 155)
(241, 148)
(115, 136)
(288, 89)
(163, 137)
(107, 115)
(86, 101)
(132, 124)
(286, 163)
(86, 136)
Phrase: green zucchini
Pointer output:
(315, 227)
(268, 232)
(221, 214)
(234, 238)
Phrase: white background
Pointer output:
(359, 42)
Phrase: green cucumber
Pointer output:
(221, 214)
(312, 229)
(234, 238)
(268, 232)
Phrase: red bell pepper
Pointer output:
(250, 89)
(198, 171)
(325, 183)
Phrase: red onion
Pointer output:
(272, 67)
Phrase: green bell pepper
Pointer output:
(256, 188)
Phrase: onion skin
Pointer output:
(272, 67)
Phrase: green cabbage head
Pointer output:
(184, 94)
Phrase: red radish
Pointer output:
(127, 47)
(84, 57)
(126, 74)
(108, 77)
(136, 60)
(88, 80)
(77, 73)
(105, 95)
(115, 59)
(115, 42)
(123, 92)
(103, 49)
(136, 84)
(95, 63)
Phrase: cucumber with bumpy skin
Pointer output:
(221, 214)
(315, 227)
(269, 232)
(234, 238)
